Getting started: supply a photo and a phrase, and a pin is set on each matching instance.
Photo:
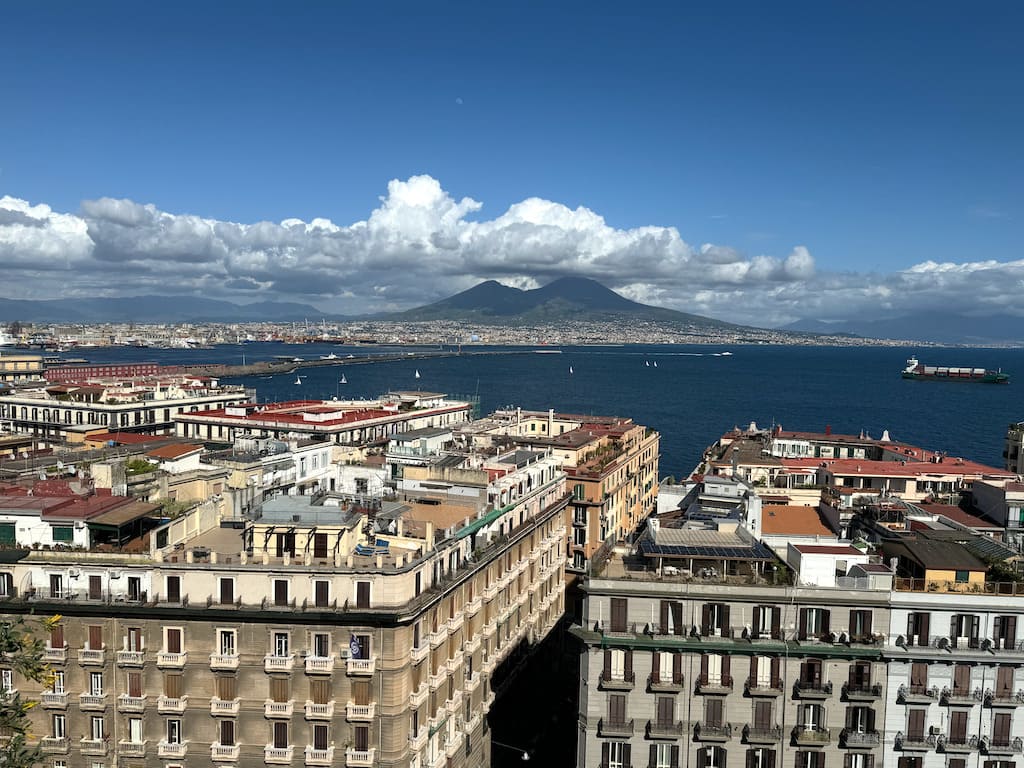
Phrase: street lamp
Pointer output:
(524, 755)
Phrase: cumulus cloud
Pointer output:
(421, 244)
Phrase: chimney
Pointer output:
(828, 429)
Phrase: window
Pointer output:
(958, 726)
(321, 739)
(135, 730)
(57, 637)
(860, 626)
(226, 688)
(917, 628)
(811, 717)
(616, 708)
(133, 639)
(860, 677)
(320, 691)
(713, 712)
(6, 681)
(665, 711)
(714, 670)
(134, 684)
(814, 623)
(63, 534)
(362, 594)
(227, 733)
(362, 737)
(174, 731)
(760, 758)
(321, 593)
(320, 543)
(767, 620)
(962, 680)
(919, 677)
(808, 759)
(95, 638)
(95, 683)
(810, 675)
(963, 630)
(765, 672)
(1005, 632)
(664, 756)
(60, 727)
(279, 732)
(1001, 730)
(173, 687)
(715, 620)
(672, 618)
(359, 646)
(173, 584)
(227, 591)
(96, 728)
(615, 754)
(58, 681)
(226, 642)
(1004, 682)
(281, 592)
(618, 665)
(280, 644)
(860, 719)
(618, 610)
(860, 760)
(280, 689)
(915, 725)
(135, 593)
(711, 757)
(172, 639)
(321, 644)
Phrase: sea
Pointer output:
(690, 394)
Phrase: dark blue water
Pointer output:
(691, 397)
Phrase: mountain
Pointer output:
(928, 326)
(567, 298)
(153, 309)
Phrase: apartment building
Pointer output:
(1013, 450)
(313, 635)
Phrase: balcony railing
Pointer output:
(360, 712)
(126, 703)
(272, 754)
(315, 756)
(611, 682)
(90, 656)
(811, 735)
(224, 752)
(664, 729)
(712, 731)
(993, 746)
(278, 663)
(622, 728)
(171, 706)
(862, 692)
(131, 748)
(418, 696)
(860, 739)
(804, 689)
(92, 700)
(166, 660)
(223, 706)
(957, 743)
(362, 758)
(54, 744)
(93, 746)
(224, 661)
(360, 667)
(916, 693)
(708, 684)
(55, 655)
(167, 749)
(51, 700)
(1003, 698)
(758, 734)
(961, 696)
(754, 687)
(278, 709)
(915, 742)
(665, 684)
(131, 658)
(319, 711)
(419, 739)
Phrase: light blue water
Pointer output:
(691, 396)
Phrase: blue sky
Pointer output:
(875, 136)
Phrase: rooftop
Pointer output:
(793, 521)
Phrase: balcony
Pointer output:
(991, 746)
(861, 692)
(472, 682)
(914, 742)
(223, 706)
(92, 700)
(455, 622)
(712, 732)
(763, 687)
(363, 758)
(314, 756)
(419, 654)
(1003, 698)
(955, 697)
(662, 684)
(51, 700)
(859, 739)
(474, 605)
(419, 739)
(664, 729)
(360, 713)
(753, 734)
(957, 744)
(803, 689)
(278, 663)
(360, 667)
(93, 746)
(709, 685)
(609, 681)
(319, 711)
(454, 704)
(126, 703)
(418, 696)
(472, 645)
(221, 753)
(272, 709)
(811, 736)
(166, 749)
(166, 705)
(224, 661)
(166, 660)
(131, 658)
(619, 728)
(319, 665)
(53, 745)
(437, 639)
(90, 656)
(55, 655)
(131, 748)
(278, 755)
(916, 694)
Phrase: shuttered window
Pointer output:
(173, 688)
(320, 691)
(226, 687)
(280, 689)
(95, 638)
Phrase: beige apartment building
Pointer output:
(316, 635)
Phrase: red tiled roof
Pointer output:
(174, 451)
(793, 520)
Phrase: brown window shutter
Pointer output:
(776, 673)
(173, 688)
(607, 664)
(704, 667)
(227, 732)
(705, 620)
(95, 637)
(320, 597)
(725, 627)
(320, 691)
(677, 668)
(802, 628)
(361, 692)
(135, 684)
(757, 622)
(776, 626)
(226, 687)
(280, 689)
(726, 668)
(174, 641)
(628, 665)
(656, 666)
(663, 617)
(57, 637)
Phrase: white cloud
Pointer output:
(421, 244)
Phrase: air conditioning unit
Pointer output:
(115, 574)
(74, 573)
(343, 653)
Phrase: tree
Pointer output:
(24, 652)
(15, 328)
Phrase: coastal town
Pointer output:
(367, 583)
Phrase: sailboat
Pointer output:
(298, 379)
(647, 363)
(655, 363)
(417, 373)
(570, 370)
(343, 380)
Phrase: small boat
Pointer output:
(655, 363)
(570, 370)
(647, 363)
(343, 380)
(331, 356)
(417, 374)
(297, 360)
(916, 370)
(726, 354)
(298, 379)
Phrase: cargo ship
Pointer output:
(915, 370)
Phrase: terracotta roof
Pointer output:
(174, 451)
(793, 520)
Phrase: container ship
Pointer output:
(915, 370)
